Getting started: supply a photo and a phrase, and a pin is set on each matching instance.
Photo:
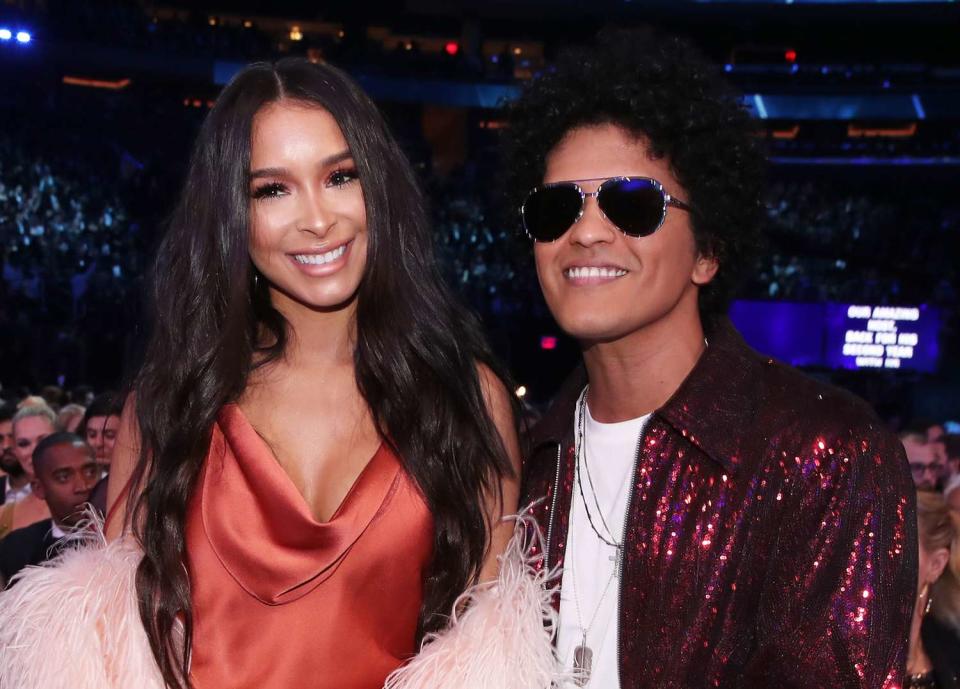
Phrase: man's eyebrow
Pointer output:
(345, 154)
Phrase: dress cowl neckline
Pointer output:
(260, 527)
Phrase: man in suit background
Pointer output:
(65, 471)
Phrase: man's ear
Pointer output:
(704, 269)
(37, 488)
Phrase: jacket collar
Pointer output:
(714, 407)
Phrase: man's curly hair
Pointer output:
(663, 90)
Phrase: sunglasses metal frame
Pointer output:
(668, 200)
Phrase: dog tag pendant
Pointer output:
(582, 663)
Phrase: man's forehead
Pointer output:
(920, 453)
(66, 454)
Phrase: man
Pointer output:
(924, 460)
(31, 424)
(65, 470)
(721, 519)
(14, 483)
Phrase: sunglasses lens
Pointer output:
(636, 206)
(548, 212)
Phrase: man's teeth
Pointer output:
(591, 272)
(320, 259)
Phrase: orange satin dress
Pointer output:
(283, 601)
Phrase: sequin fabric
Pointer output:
(771, 533)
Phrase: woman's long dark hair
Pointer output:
(416, 355)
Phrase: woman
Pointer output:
(319, 452)
(31, 424)
(933, 660)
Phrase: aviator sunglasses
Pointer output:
(636, 205)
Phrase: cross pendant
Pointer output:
(616, 559)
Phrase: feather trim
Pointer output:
(503, 638)
(74, 622)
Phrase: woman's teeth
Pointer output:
(320, 259)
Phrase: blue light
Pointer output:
(23, 37)
(728, 68)
(794, 68)
(761, 106)
(918, 106)
(5, 35)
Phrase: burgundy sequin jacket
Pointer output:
(770, 533)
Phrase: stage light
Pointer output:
(790, 56)
(452, 48)
(23, 37)
(522, 391)
(5, 34)
(296, 34)
(115, 85)
(548, 342)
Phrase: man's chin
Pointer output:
(12, 468)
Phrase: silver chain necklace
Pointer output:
(582, 453)
(583, 654)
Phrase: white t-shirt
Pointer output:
(589, 576)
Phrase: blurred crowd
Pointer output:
(76, 232)
(880, 245)
(128, 25)
(55, 455)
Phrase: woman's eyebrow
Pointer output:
(281, 171)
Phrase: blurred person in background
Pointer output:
(951, 493)
(54, 396)
(65, 471)
(933, 660)
(951, 446)
(70, 417)
(100, 425)
(14, 483)
(935, 432)
(31, 424)
(927, 465)
(99, 428)
(82, 395)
